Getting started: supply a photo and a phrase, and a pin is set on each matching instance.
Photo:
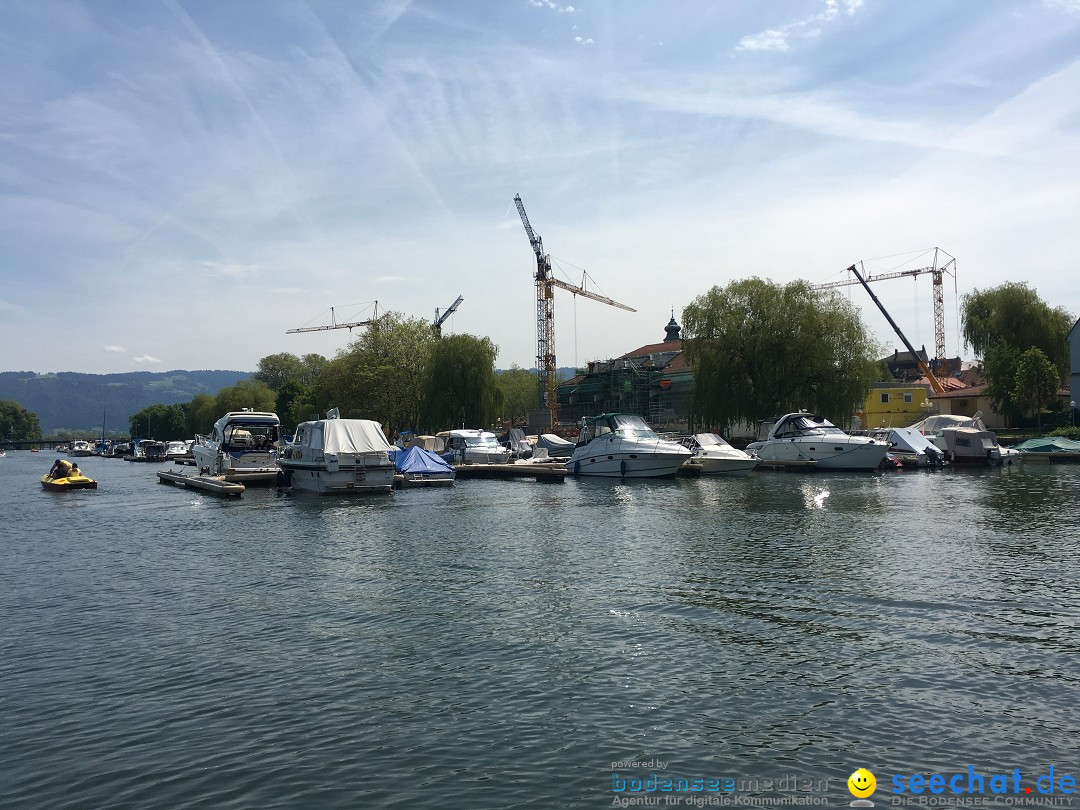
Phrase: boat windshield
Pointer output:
(806, 425)
(710, 440)
(815, 425)
(630, 425)
(482, 441)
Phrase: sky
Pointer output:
(183, 181)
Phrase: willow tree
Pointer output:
(1036, 383)
(759, 349)
(461, 385)
(1004, 322)
(381, 375)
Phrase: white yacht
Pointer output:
(338, 456)
(713, 455)
(80, 448)
(619, 445)
(242, 448)
(803, 439)
(474, 447)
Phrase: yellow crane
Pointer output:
(547, 375)
(936, 270)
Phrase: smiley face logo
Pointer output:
(861, 783)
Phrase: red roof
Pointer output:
(948, 383)
(653, 348)
(960, 393)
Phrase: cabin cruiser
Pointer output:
(910, 447)
(713, 455)
(241, 448)
(803, 439)
(619, 445)
(80, 448)
(423, 468)
(146, 450)
(177, 450)
(338, 456)
(556, 446)
(474, 447)
(966, 440)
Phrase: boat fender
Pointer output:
(577, 468)
(622, 468)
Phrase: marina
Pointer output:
(285, 650)
(205, 483)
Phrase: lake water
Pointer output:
(514, 644)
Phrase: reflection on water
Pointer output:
(501, 643)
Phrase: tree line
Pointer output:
(756, 349)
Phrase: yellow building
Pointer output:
(894, 405)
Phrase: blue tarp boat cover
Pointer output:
(1050, 444)
(419, 460)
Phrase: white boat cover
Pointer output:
(347, 436)
(935, 424)
(909, 440)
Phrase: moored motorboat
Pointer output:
(242, 447)
(713, 455)
(910, 447)
(474, 447)
(338, 456)
(619, 445)
(423, 468)
(802, 439)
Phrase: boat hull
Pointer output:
(65, 484)
(825, 455)
(627, 464)
(346, 480)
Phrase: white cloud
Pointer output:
(585, 41)
(1068, 6)
(552, 6)
(232, 270)
(117, 349)
(770, 40)
(144, 359)
(779, 39)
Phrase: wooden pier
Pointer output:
(541, 472)
(204, 483)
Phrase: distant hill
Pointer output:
(73, 401)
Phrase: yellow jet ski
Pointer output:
(64, 484)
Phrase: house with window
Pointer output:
(894, 405)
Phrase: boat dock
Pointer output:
(541, 472)
(205, 483)
(794, 464)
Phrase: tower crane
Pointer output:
(440, 319)
(935, 383)
(547, 375)
(335, 325)
(939, 300)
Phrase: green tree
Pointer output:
(518, 387)
(294, 404)
(1002, 323)
(202, 412)
(18, 423)
(461, 384)
(758, 349)
(278, 369)
(1036, 382)
(252, 393)
(160, 422)
(380, 376)
(1013, 314)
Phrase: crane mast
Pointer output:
(936, 273)
(547, 374)
(935, 384)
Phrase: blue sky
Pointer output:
(183, 181)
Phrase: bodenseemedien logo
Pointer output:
(862, 785)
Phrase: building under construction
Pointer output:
(652, 381)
